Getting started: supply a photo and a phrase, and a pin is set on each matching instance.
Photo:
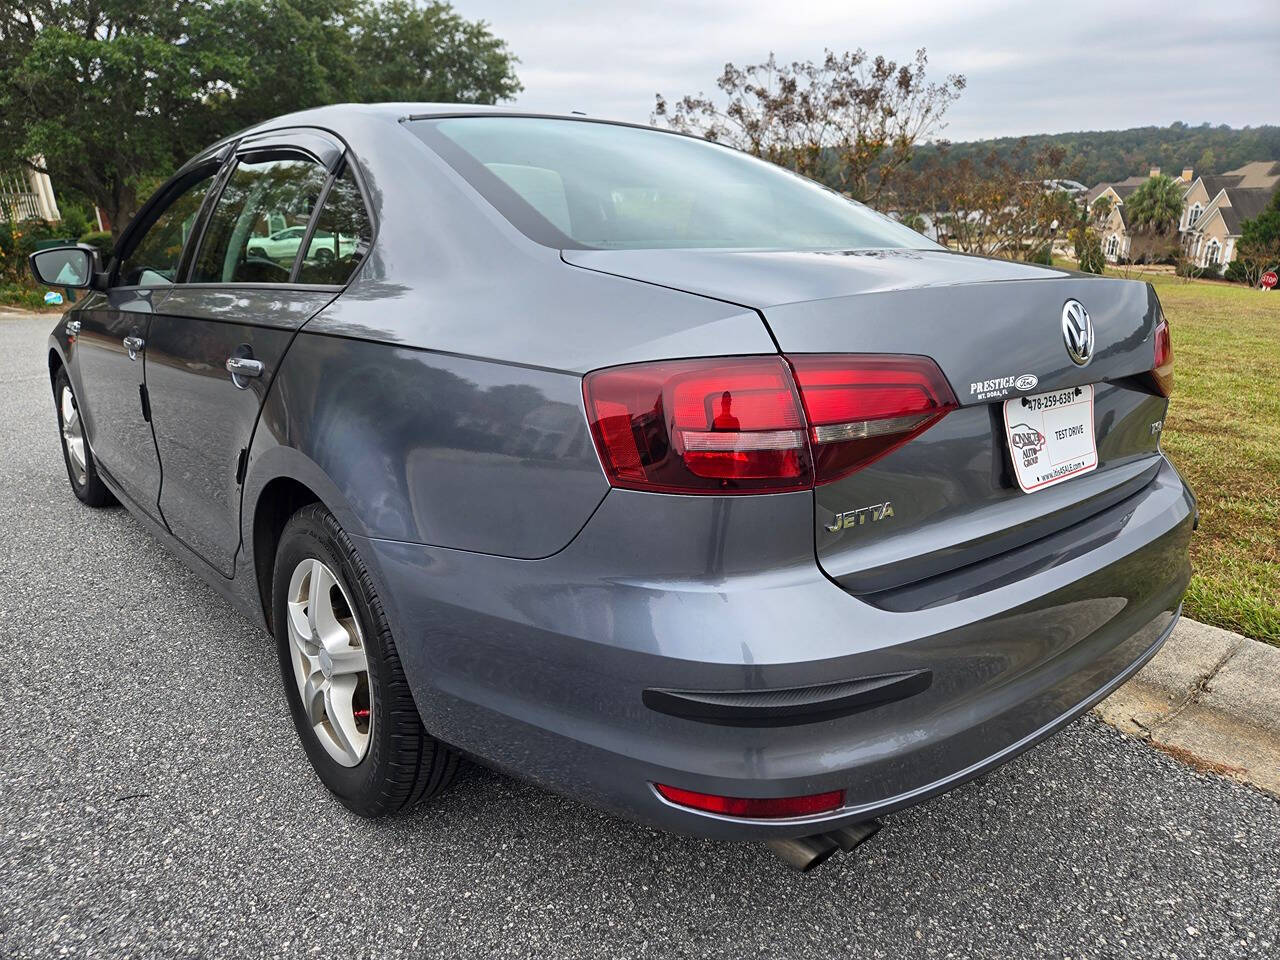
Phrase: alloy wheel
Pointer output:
(73, 435)
(329, 662)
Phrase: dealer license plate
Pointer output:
(1051, 436)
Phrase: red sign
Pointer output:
(1269, 279)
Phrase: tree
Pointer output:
(1259, 247)
(850, 121)
(1156, 205)
(1101, 209)
(990, 206)
(430, 53)
(109, 96)
(1088, 249)
(1152, 213)
(1110, 155)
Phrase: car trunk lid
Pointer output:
(995, 329)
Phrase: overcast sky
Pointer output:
(1033, 67)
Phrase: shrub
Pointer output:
(100, 239)
(1237, 272)
(21, 295)
(1088, 250)
(30, 232)
(74, 220)
(1042, 255)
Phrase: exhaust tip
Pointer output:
(803, 853)
(855, 835)
(806, 853)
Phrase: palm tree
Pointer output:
(1152, 213)
(1156, 206)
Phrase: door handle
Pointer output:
(240, 367)
(133, 345)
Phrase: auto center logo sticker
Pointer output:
(1028, 442)
(1000, 386)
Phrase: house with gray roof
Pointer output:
(1215, 206)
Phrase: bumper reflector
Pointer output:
(754, 807)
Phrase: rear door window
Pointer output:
(256, 230)
(342, 236)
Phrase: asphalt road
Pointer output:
(154, 801)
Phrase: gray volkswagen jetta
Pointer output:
(627, 463)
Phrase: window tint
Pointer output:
(256, 228)
(605, 186)
(342, 237)
(154, 261)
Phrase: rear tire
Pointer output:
(360, 727)
(82, 471)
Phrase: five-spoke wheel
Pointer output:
(72, 434)
(82, 471)
(329, 662)
(347, 691)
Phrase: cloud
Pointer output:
(1031, 67)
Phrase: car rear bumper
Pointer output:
(540, 667)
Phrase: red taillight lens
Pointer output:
(761, 807)
(731, 425)
(860, 408)
(1163, 369)
(757, 424)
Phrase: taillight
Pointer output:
(732, 425)
(1162, 372)
(860, 408)
(806, 805)
(757, 424)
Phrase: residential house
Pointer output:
(26, 194)
(1114, 229)
(1215, 206)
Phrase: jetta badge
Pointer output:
(861, 515)
(1077, 332)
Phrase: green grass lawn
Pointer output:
(1223, 433)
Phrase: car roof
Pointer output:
(334, 117)
(394, 112)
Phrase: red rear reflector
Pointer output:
(757, 424)
(861, 407)
(756, 807)
(1163, 369)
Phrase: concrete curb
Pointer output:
(1211, 698)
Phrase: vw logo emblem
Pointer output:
(1077, 332)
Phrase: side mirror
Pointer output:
(75, 267)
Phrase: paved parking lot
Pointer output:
(154, 801)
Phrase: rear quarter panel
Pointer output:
(431, 448)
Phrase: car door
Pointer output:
(108, 356)
(218, 339)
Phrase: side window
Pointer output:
(256, 228)
(342, 237)
(154, 260)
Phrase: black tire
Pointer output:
(403, 763)
(89, 488)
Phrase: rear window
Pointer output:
(589, 185)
